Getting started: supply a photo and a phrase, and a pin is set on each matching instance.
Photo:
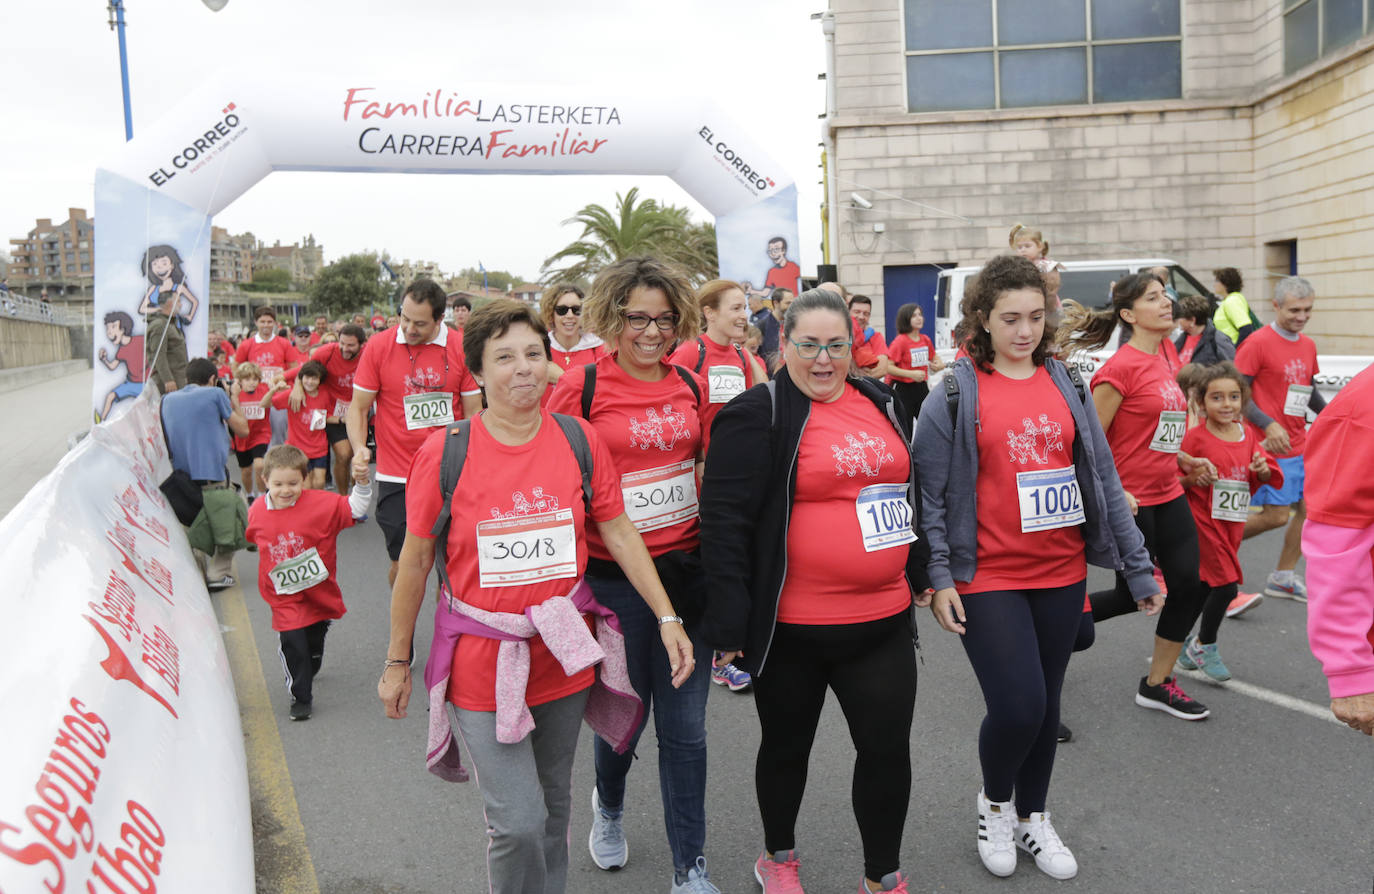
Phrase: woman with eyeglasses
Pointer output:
(569, 344)
(648, 412)
(809, 517)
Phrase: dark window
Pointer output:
(949, 81)
(1040, 21)
(1090, 288)
(1125, 19)
(945, 24)
(1044, 77)
(1314, 28)
(1136, 71)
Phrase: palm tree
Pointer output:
(634, 228)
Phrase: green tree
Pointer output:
(348, 285)
(634, 228)
(270, 279)
(496, 279)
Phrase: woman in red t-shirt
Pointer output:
(521, 513)
(1220, 509)
(913, 359)
(569, 344)
(810, 528)
(649, 412)
(717, 355)
(1145, 414)
(1042, 490)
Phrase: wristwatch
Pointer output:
(669, 619)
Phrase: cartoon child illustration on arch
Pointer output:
(119, 329)
(167, 289)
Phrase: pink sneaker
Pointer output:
(894, 882)
(779, 874)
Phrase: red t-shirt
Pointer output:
(1026, 429)
(567, 360)
(1219, 538)
(726, 376)
(1274, 364)
(538, 482)
(272, 356)
(305, 427)
(1189, 346)
(847, 447)
(1339, 489)
(131, 355)
(313, 522)
(653, 430)
(1149, 392)
(259, 425)
(338, 380)
(907, 352)
(394, 370)
(315, 338)
(788, 276)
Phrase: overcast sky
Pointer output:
(61, 111)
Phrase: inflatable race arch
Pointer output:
(156, 198)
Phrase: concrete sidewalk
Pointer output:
(40, 418)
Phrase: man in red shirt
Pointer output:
(321, 329)
(869, 344)
(416, 376)
(273, 354)
(1280, 363)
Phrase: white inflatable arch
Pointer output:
(162, 189)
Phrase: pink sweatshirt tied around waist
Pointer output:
(613, 709)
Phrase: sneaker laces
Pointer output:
(786, 874)
(1174, 691)
(1047, 838)
(697, 881)
(1001, 830)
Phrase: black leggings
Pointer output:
(911, 394)
(1214, 611)
(872, 669)
(1019, 642)
(1171, 538)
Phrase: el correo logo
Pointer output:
(733, 160)
(198, 147)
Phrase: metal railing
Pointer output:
(21, 307)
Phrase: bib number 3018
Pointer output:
(527, 548)
(884, 517)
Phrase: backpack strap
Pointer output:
(582, 449)
(450, 470)
(772, 386)
(588, 389)
(691, 382)
(952, 397)
(701, 354)
(1078, 384)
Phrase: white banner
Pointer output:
(124, 766)
(156, 196)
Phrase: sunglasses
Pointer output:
(564, 309)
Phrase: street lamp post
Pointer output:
(116, 10)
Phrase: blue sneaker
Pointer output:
(731, 676)
(696, 881)
(606, 841)
(1290, 589)
(1185, 660)
(1207, 657)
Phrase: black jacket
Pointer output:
(746, 503)
(1213, 346)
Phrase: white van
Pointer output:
(1089, 283)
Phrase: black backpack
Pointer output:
(451, 467)
(701, 356)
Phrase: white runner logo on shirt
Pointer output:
(1172, 396)
(423, 378)
(658, 431)
(536, 502)
(864, 453)
(287, 545)
(1035, 443)
(1295, 372)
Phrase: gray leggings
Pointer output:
(527, 792)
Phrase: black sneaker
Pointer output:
(1170, 699)
(300, 710)
(1065, 734)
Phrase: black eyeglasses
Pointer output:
(665, 322)
(564, 309)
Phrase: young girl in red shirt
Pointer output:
(1220, 508)
(913, 359)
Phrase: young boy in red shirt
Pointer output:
(249, 395)
(305, 427)
(296, 530)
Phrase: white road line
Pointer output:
(1311, 709)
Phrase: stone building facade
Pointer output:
(1255, 152)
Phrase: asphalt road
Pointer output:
(1261, 797)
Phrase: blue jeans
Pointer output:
(679, 722)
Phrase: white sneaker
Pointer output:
(996, 830)
(1037, 837)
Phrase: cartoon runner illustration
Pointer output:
(119, 328)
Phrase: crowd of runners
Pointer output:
(637, 490)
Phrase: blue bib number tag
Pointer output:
(1049, 499)
(884, 516)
